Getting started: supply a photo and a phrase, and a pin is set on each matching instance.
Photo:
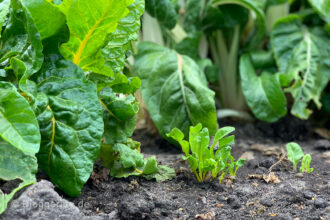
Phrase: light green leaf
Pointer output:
(175, 90)
(164, 11)
(227, 141)
(176, 134)
(305, 164)
(263, 94)
(295, 153)
(303, 55)
(126, 32)
(89, 26)
(71, 124)
(150, 166)
(19, 126)
(164, 173)
(15, 164)
(41, 11)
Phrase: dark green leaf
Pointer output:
(71, 124)
(175, 90)
(164, 11)
(263, 93)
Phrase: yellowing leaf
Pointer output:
(90, 22)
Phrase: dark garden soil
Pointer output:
(296, 196)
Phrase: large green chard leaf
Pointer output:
(89, 25)
(4, 5)
(119, 116)
(192, 15)
(19, 128)
(164, 11)
(175, 89)
(71, 125)
(126, 32)
(303, 56)
(263, 93)
(15, 164)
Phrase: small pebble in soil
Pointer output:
(320, 203)
(174, 197)
(299, 175)
(308, 195)
(266, 202)
(234, 202)
(268, 163)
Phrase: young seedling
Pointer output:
(305, 164)
(295, 153)
(202, 158)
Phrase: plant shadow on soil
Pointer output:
(296, 196)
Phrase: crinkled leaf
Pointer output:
(303, 56)
(174, 89)
(15, 164)
(263, 93)
(71, 124)
(164, 11)
(150, 166)
(192, 15)
(22, 40)
(189, 46)
(89, 26)
(19, 126)
(295, 153)
(164, 173)
(119, 116)
(127, 31)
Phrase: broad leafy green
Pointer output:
(19, 140)
(89, 26)
(302, 55)
(263, 93)
(71, 124)
(295, 153)
(174, 89)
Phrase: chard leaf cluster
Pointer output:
(202, 157)
(65, 100)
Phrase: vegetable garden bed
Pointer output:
(296, 196)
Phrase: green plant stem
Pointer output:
(275, 12)
(151, 30)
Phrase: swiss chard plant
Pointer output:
(63, 95)
(202, 157)
(252, 52)
(295, 154)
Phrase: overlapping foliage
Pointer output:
(260, 51)
(63, 95)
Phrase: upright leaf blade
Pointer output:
(4, 5)
(263, 93)
(175, 90)
(19, 126)
(89, 26)
(70, 122)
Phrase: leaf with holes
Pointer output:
(303, 57)
(71, 125)
(174, 89)
(90, 25)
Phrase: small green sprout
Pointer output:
(295, 153)
(305, 164)
(201, 157)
